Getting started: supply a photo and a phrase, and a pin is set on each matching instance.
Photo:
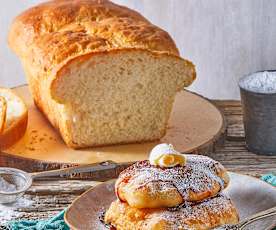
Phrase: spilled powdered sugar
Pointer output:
(260, 82)
(200, 174)
(192, 212)
(11, 211)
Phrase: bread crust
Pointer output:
(3, 110)
(57, 30)
(16, 131)
(51, 36)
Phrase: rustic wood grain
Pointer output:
(50, 197)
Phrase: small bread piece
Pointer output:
(3, 110)
(207, 215)
(143, 185)
(16, 118)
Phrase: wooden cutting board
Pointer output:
(195, 126)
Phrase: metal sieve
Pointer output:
(18, 179)
(17, 182)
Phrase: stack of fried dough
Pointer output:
(188, 197)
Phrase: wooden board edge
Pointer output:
(8, 160)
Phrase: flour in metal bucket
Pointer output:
(260, 82)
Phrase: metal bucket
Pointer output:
(259, 117)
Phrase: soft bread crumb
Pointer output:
(123, 97)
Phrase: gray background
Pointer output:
(224, 38)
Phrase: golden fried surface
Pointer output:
(211, 213)
(145, 186)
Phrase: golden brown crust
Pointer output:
(3, 110)
(57, 30)
(15, 133)
(203, 216)
(16, 129)
(145, 186)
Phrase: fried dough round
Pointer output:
(146, 186)
(206, 215)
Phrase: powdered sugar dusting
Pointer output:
(200, 174)
(260, 82)
(10, 211)
(192, 212)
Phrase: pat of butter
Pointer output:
(164, 155)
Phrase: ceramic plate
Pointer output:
(249, 194)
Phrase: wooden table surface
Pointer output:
(50, 197)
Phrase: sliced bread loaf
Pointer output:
(101, 73)
(14, 118)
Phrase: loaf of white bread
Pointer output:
(13, 118)
(101, 73)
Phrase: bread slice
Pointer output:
(16, 118)
(3, 110)
(121, 97)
